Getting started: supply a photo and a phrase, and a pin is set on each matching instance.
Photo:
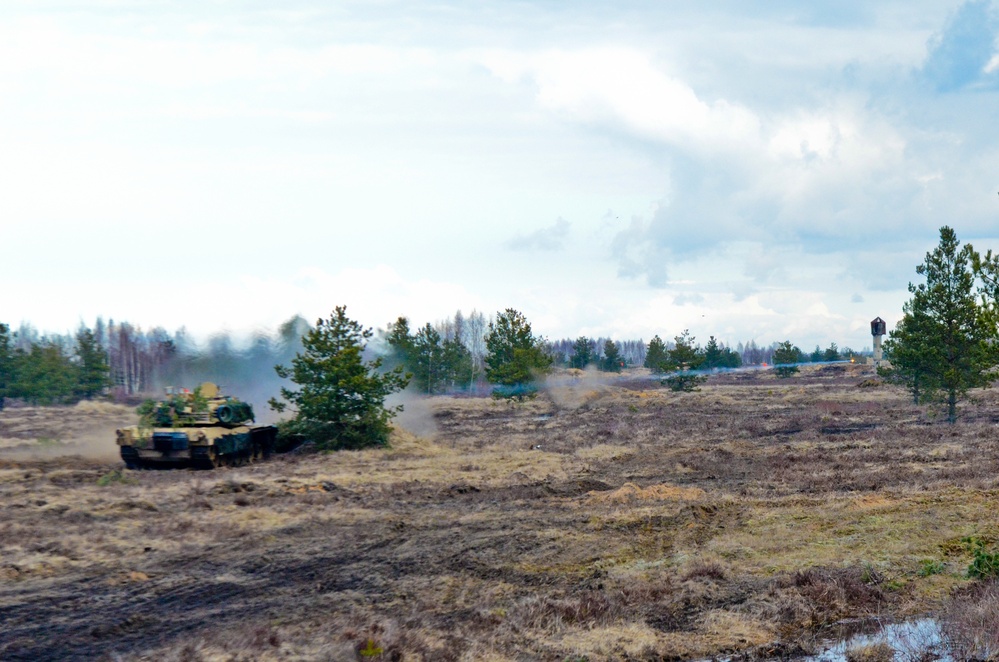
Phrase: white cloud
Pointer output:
(806, 138)
(826, 173)
(622, 87)
(546, 239)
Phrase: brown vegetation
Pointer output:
(597, 522)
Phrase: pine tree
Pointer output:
(94, 374)
(582, 353)
(514, 356)
(655, 357)
(340, 402)
(426, 359)
(400, 342)
(717, 355)
(612, 361)
(730, 359)
(45, 375)
(684, 358)
(909, 357)
(785, 356)
(712, 354)
(944, 337)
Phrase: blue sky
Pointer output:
(750, 170)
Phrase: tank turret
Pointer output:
(204, 406)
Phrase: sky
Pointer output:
(749, 170)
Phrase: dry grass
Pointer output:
(880, 652)
(630, 493)
(971, 622)
(603, 520)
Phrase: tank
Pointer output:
(201, 428)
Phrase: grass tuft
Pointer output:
(116, 477)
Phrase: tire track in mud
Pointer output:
(90, 619)
(305, 573)
(87, 619)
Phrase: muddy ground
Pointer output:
(600, 521)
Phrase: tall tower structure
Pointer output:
(878, 329)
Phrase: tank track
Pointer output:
(261, 447)
(259, 451)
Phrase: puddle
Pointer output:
(920, 639)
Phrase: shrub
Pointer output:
(288, 437)
(929, 567)
(984, 564)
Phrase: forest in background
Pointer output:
(124, 361)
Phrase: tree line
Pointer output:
(341, 381)
(450, 355)
(339, 396)
(46, 373)
(685, 362)
(122, 361)
(338, 389)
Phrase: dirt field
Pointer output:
(601, 521)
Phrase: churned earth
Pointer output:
(604, 520)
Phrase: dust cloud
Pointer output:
(417, 415)
(572, 388)
(243, 372)
(86, 429)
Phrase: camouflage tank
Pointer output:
(203, 429)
